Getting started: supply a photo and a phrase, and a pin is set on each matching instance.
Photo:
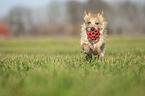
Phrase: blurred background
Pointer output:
(48, 18)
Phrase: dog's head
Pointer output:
(94, 21)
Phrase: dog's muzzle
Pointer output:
(94, 35)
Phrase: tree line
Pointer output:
(65, 18)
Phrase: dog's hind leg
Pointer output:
(101, 54)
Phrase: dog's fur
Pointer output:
(97, 47)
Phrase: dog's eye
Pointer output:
(97, 23)
(89, 22)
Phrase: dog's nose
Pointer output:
(92, 29)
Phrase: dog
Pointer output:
(96, 47)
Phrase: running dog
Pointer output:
(91, 42)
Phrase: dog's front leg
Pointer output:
(97, 54)
(99, 51)
(87, 51)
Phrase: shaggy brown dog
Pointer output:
(93, 22)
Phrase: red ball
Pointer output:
(94, 35)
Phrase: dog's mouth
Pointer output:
(94, 35)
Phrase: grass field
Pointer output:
(58, 68)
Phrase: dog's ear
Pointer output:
(102, 12)
(85, 12)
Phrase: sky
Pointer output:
(7, 5)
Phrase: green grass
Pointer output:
(58, 68)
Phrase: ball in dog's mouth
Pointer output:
(94, 35)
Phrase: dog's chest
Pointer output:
(94, 44)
